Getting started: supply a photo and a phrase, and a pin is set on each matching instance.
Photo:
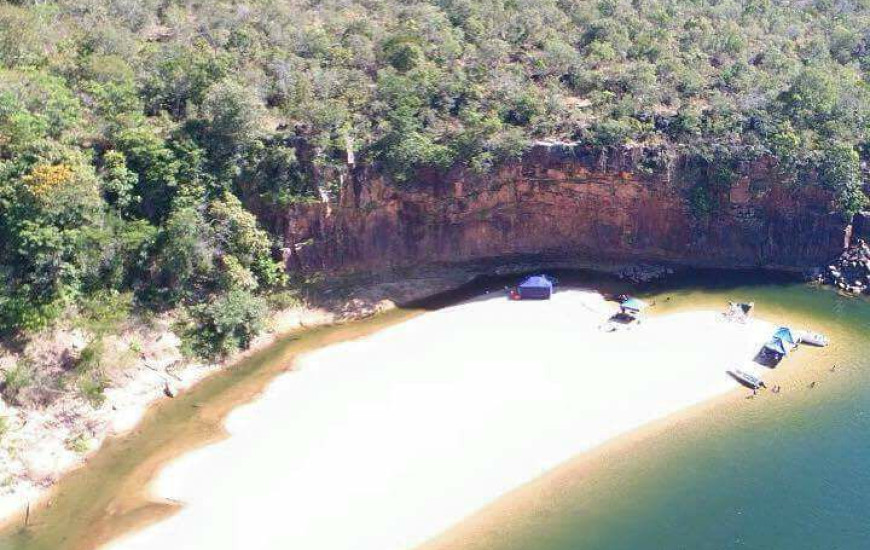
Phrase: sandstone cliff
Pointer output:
(568, 203)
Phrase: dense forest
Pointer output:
(137, 136)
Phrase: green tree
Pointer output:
(154, 162)
(183, 263)
(841, 171)
(119, 183)
(403, 52)
(238, 235)
(232, 121)
(226, 323)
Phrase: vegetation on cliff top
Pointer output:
(136, 137)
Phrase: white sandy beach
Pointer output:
(384, 442)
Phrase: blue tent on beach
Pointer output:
(785, 334)
(536, 287)
(777, 346)
(633, 305)
(782, 342)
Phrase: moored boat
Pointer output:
(747, 379)
(813, 338)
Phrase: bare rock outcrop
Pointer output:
(850, 272)
(568, 203)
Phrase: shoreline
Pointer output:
(535, 496)
(134, 508)
(114, 483)
(170, 485)
(541, 496)
(128, 404)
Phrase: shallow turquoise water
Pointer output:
(788, 471)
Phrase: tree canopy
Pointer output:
(134, 133)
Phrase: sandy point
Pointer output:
(384, 442)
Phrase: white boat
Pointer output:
(747, 379)
(813, 338)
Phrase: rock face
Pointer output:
(850, 272)
(572, 204)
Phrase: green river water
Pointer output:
(787, 471)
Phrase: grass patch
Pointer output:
(283, 299)
(15, 380)
(90, 380)
(92, 386)
(103, 312)
(91, 357)
(79, 444)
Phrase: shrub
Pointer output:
(15, 380)
(245, 245)
(700, 201)
(91, 356)
(841, 172)
(103, 311)
(227, 323)
(403, 52)
(183, 259)
(21, 313)
(78, 444)
(611, 132)
(283, 299)
(92, 386)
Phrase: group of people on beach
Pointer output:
(777, 388)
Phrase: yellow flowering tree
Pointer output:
(44, 180)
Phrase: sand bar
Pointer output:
(384, 442)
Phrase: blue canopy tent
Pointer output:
(633, 306)
(785, 334)
(536, 287)
(782, 342)
(777, 346)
